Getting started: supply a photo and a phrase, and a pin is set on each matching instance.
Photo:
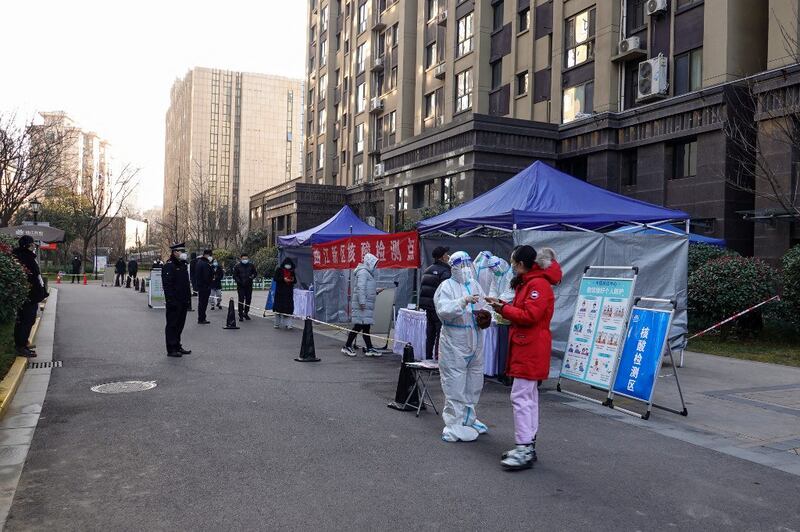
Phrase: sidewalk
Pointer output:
(746, 409)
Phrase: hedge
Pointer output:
(12, 279)
(727, 285)
(699, 254)
(791, 283)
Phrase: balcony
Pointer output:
(376, 105)
(378, 63)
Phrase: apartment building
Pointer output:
(228, 136)
(424, 103)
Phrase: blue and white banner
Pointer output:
(641, 353)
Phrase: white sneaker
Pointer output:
(348, 351)
(371, 353)
(520, 457)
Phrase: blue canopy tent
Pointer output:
(341, 225)
(331, 287)
(544, 207)
(541, 196)
(661, 229)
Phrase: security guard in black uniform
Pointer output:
(178, 295)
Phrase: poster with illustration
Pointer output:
(598, 326)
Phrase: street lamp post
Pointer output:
(36, 206)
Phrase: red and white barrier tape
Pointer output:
(740, 314)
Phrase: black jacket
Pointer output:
(244, 274)
(119, 267)
(193, 273)
(432, 277)
(133, 267)
(203, 274)
(175, 280)
(284, 290)
(76, 265)
(27, 258)
(219, 273)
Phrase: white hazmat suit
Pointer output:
(501, 283)
(482, 272)
(460, 350)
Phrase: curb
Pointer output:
(10, 383)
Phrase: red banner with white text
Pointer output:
(395, 250)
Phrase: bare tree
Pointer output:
(33, 160)
(97, 206)
(762, 121)
(172, 230)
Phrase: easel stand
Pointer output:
(638, 369)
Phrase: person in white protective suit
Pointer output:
(482, 271)
(501, 289)
(460, 350)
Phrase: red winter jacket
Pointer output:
(530, 342)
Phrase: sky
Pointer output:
(110, 65)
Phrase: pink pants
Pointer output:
(525, 400)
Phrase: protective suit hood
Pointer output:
(370, 262)
(461, 268)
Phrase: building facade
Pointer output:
(86, 164)
(689, 104)
(228, 136)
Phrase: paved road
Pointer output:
(238, 436)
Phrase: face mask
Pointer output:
(245, 261)
(288, 266)
(216, 263)
(210, 258)
(182, 256)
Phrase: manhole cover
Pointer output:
(124, 387)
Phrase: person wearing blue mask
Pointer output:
(216, 285)
(244, 273)
(460, 349)
(501, 290)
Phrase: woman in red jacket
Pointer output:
(530, 345)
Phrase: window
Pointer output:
(432, 8)
(312, 34)
(392, 123)
(684, 159)
(635, 15)
(323, 86)
(309, 161)
(310, 95)
(381, 49)
(497, 16)
(430, 105)
(323, 19)
(394, 34)
(402, 198)
(323, 115)
(378, 133)
(430, 55)
(320, 156)
(379, 82)
(362, 17)
(524, 20)
(361, 98)
(323, 53)
(393, 78)
(358, 173)
(686, 3)
(688, 71)
(579, 33)
(627, 168)
(425, 195)
(497, 74)
(360, 137)
(464, 91)
(522, 83)
(464, 35)
(337, 77)
(577, 102)
(360, 58)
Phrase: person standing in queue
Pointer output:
(216, 285)
(178, 296)
(433, 276)
(244, 273)
(285, 278)
(119, 271)
(76, 267)
(193, 272)
(133, 270)
(26, 313)
(203, 279)
(362, 306)
(530, 346)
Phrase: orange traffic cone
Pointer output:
(84, 279)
